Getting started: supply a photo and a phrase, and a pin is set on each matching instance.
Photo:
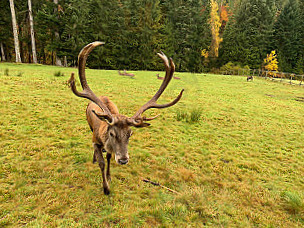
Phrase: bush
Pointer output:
(6, 72)
(20, 74)
(235, 68)
(58, 74)
(193, 117)
(181, 115)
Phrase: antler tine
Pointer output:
(170, 68)
(87, 92)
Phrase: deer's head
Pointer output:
(118, 132)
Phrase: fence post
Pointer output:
(266, 74)
(290, 79)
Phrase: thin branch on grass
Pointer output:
(158, 184)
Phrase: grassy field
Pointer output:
(240, 165)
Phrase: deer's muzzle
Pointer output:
(123, 161)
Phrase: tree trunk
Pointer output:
(2, 52)
(57, 59)
(32, 31)
(65, 62)
(16, 40)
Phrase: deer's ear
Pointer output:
(100, 115)
(104, 117)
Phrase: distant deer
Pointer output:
(249, 78)
(128, 74)
(111, 130)
(158, 77)
(120, 73)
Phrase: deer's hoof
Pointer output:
(106, 191)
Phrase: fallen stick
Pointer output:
(158, 184)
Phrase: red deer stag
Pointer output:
(111, 130)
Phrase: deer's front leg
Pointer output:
(109, 155)
(101, 163)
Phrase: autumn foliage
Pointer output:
(215, 25)
(271, 62)
(224, 17)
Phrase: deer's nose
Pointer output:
(123, 161)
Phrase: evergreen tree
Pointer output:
(288, 36)
(187, 32)
(47, 22)
(248, 34)
(105, 22)
(300, 64)
(142, 34)
(6, 30)
(74, 29)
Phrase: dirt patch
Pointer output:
(269, 95)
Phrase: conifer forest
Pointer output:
(200, 35)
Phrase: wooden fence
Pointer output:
(290, 78)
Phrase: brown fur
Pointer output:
(108, 138)
(98, 126)
(158, 77)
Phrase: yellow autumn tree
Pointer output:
(271, 63)
(205, 53)
(215, 25)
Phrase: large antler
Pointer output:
(87, 92)
(137, 119)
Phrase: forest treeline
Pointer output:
(200, 35)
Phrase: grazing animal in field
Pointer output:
(122, 74)
(126, 74)
(249, 78)
(159, 77)
(111, 130)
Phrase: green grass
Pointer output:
(240, 164)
